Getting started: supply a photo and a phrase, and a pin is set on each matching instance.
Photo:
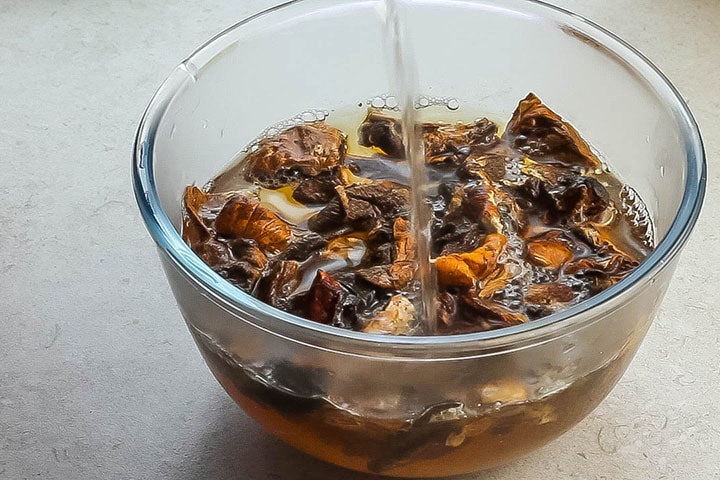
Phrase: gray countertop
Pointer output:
(99, 377)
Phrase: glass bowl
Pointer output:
(417, 406)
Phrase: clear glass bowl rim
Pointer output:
(302, 330)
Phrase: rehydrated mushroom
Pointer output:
(199, 211)
(468, 313)
(318, 189)
(302, 246)
(520, 227)
(550, 250)
(542, 134)
(397, 318)
(452, 143)
(403, 268)
(382, 132)
(573, 197)
(467, 214)
(479, 204)
(243, 266)
(549, 293)
(306, 149)
(278, 283)
(325, 299)
(401, 272)
(436, 430)
(491, 162)
(361, 205)
(504, 390)
(615, 262)
(614, 266)
(244, 217)
(443, 142)
(238, 261)
(466, 269)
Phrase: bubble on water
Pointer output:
(637, 214)
(384, 102)
(308, 116)
(390, 102)
(513, 171)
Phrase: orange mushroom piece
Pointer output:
(244, 217)
(465, 269)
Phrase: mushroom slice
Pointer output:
(397, 318)
(307, 149)
(549, 294)
(278, 283)
(542, 135)
(401, 272)
(244, 217)
(325, 299)
(465, 269)
(549, 250)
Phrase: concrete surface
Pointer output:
(98, 375)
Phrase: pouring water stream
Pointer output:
(404, 77)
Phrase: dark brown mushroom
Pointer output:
(573, 197)
(278, 283)
(382, 132)
(452, 143)
(360, 205)
(469, 313)
(541, 134)
(401, 272)
(305, 150)
(318, 189)
(443, 142)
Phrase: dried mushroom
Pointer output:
(361, 206)
(443, 142)
(549, 250)
(523, 224)
(325, 299)
(468, 313)
(452, 143)
(305, 150)
(541, 134)
(466, 269)
(318, 189)
(397, 318)
(397, 275)
(382, 132)
(245, 218)
(278, 284)
(572, 198)
(549, 293)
